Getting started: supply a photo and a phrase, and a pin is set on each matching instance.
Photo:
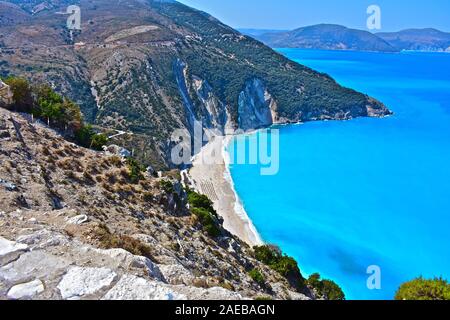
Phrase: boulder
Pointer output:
(127, 260)
(26, 290)
(131, 287)
(79, 282)
(10, 250)
(32, 265)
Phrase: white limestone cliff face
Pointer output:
(213, 111)
(257, 107)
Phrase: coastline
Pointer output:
(210, 175)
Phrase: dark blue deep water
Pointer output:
(368, 191)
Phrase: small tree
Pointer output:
(72, 117)
(326, 288)
(84, 136)
(258, 277)
(98, 141)
(22, 94)
(284, 265)
(135, 169)
(50, 105)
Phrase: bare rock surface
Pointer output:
(79, 282)
(26, 290)
(10, 249)
(134, 288)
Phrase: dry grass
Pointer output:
(109, 240)
(116, 161)
(111, 177)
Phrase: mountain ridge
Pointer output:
(337, 37)
(327, 36)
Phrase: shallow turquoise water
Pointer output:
(368, 191)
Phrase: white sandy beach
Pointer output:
(210, 176)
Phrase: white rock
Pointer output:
(9, 247)
(78, 219)
(176, 274)
(43, 238)
(34, 264)
(79, 282)
(216, 293)
(126, 260)
(26, 290)
(134, 288)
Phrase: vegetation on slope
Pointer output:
(57, 111)
(202, 208)
(284, 265)
(326, 289)
(424, 289)
(288, 268)
(258, 277)
(300, 92)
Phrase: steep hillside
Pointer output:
(259, 32)
(74, 225)
(327, 37)
(418, 39)
(149, 67)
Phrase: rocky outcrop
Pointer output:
(26, 290)
(213, 111)
(257, 107)
(79, 282)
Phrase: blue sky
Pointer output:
(290, 14)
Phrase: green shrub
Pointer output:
(59, 112)
(327, 289)
(167, 186)
(284, 265)
(263, 298)
(135, 170)
(86, 137)
(332, 291)
(22, 94)
(207, 220)
(203, 209)
(267, 254)
(98, 141)
(200, 201)
(423, 289)
(258, 277)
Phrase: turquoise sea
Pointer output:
(368, 191)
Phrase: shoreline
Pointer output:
(210, 175)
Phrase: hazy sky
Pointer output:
(290, 14)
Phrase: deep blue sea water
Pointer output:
(368, 191)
